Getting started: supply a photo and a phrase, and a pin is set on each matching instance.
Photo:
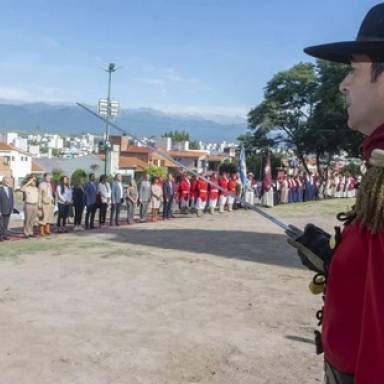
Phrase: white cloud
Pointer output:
(34, 94)
(203, 110)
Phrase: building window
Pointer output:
(195, 163)
(13, 158)
(162, 163)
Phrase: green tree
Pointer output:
(228, 167)
(77, 176)
(154, 171)
(56, 152)
(304, 110)
(57, 173)
(255, 163)
(288, 104)
(194, 144)
(177, 135)
(328, 131)
(182, 136)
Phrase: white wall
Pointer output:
(20, 165)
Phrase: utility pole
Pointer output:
(107, 147)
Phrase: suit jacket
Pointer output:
(168, 190)
(90, 190)
(145, 191)
(116, 192)
(6, 202)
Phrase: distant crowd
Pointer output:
(82, 200)
(308, 187)
(47, 203)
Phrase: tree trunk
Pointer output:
(301, 157)
(318, 162)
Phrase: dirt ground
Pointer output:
(219, 300)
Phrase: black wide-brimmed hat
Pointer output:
(369, 41)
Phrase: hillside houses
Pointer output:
(125, 158)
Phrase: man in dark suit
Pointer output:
(6, 206)
(168, 192)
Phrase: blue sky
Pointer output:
(195, 56)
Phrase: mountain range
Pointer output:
(71, 119)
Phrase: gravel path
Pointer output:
(220, 299)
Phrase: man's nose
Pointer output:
(343, 87)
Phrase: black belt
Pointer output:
(333, 376)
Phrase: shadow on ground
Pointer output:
(264, 248)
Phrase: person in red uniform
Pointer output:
(232, 183)
(353, 315)
(184, 191)
(223, 183)
(193, 194)
(202, 196)
(213, 194)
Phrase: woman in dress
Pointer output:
(132, 196)
(284, 189)
(64, 201)
(78, 203)
(157, 198)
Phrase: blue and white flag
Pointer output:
(243, 168)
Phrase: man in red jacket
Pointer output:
(193, 194)
(232, 183)
(202, 196)
(213, 194)
(184, 191)
(353, 315)
(223, 183)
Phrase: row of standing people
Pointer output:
(40, 199)
(308, 188)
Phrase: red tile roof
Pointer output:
(132, 162)
(194, 154)
(6, 147)
(136, 149)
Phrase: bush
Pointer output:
(56, 175)
(77, 175)
(228, 167)
(154, 171)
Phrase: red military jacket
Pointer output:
(184, 189)
(353, 322)
(223, 183)
(213, 191)
(353, 319)
(193, 190)
(202, 189)
(232, 186)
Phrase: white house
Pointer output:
(194, 160)
(13, 138)
(18, 162)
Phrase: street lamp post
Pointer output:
(108, 115)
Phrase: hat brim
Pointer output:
(344, 52)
